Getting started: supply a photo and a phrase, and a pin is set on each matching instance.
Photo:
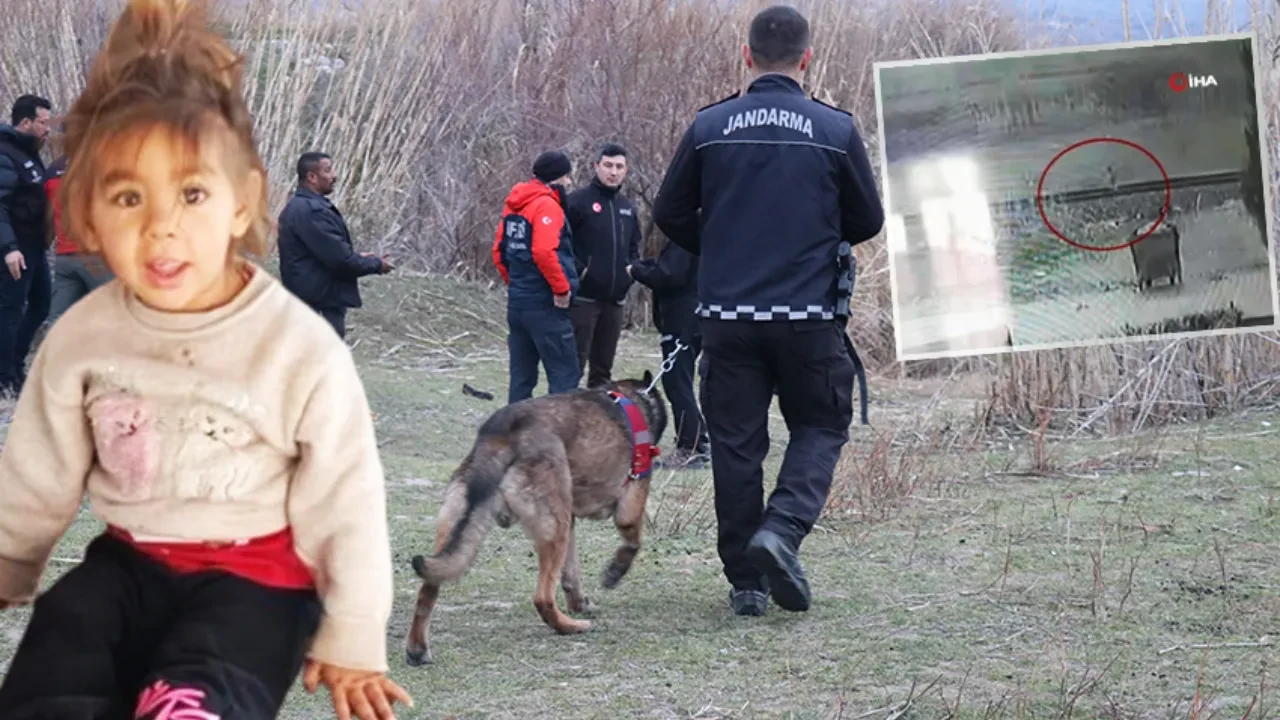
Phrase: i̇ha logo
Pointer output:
(1181, 81)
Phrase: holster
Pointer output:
(847, 268)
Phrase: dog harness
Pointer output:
(643, 451)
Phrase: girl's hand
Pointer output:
(369, 694)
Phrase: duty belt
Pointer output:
(847, 267)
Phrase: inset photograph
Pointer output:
(1076, 196)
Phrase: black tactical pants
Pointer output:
(811, 364)
(691, 430)
(24, 306)
(337, 318)
(597, 327)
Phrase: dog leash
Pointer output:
(667, 363)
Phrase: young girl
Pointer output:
(217, 424)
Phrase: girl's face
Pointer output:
(165, 218)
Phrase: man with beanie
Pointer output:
(533, 252)
(606, 239)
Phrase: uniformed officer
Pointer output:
(772, 189)
(318, 262)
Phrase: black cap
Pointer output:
(551, 165)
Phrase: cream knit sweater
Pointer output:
(221, 425)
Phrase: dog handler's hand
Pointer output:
(357, 694)
(562, 301)
(16, 262)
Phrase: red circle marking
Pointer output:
(1178, 81)
(1164, 210)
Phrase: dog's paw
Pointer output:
(612, 576)
(584, 607)
(418, 562)
(573, 627)
(418, 658)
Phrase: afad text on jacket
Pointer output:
(532, 247)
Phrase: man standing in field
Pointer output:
(25, 284)
(673, 278)
(318, 261)
(532, 251)
(606, 239)
(772, 189)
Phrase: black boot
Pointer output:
(774, 557)
(748, 602)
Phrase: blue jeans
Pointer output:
(546, 335)
(24, 306)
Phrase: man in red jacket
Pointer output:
(75, 274)
(532, 251)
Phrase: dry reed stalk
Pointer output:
(433, 109)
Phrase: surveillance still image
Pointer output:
(1092, 195)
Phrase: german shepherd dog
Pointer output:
(544, 462)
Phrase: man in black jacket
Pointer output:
(772, 189)
(606, 239)
(26, 285)
(317, 260)
(673, 278)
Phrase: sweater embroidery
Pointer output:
(126, 439)
(213, 460)
(199, 450)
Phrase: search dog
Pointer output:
(544, 462)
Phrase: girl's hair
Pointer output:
(163, 67)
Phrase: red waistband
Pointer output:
(268, 560)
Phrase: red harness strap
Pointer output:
(643, 451)
(268, 560)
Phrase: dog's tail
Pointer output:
(483, 476)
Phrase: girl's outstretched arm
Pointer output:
(337, 511)
(43, 469)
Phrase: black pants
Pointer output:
(597, 325)
(810, 364)
(691, 430)
(540, 334)
(24, 306)
(337, 317)
(121, 631)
